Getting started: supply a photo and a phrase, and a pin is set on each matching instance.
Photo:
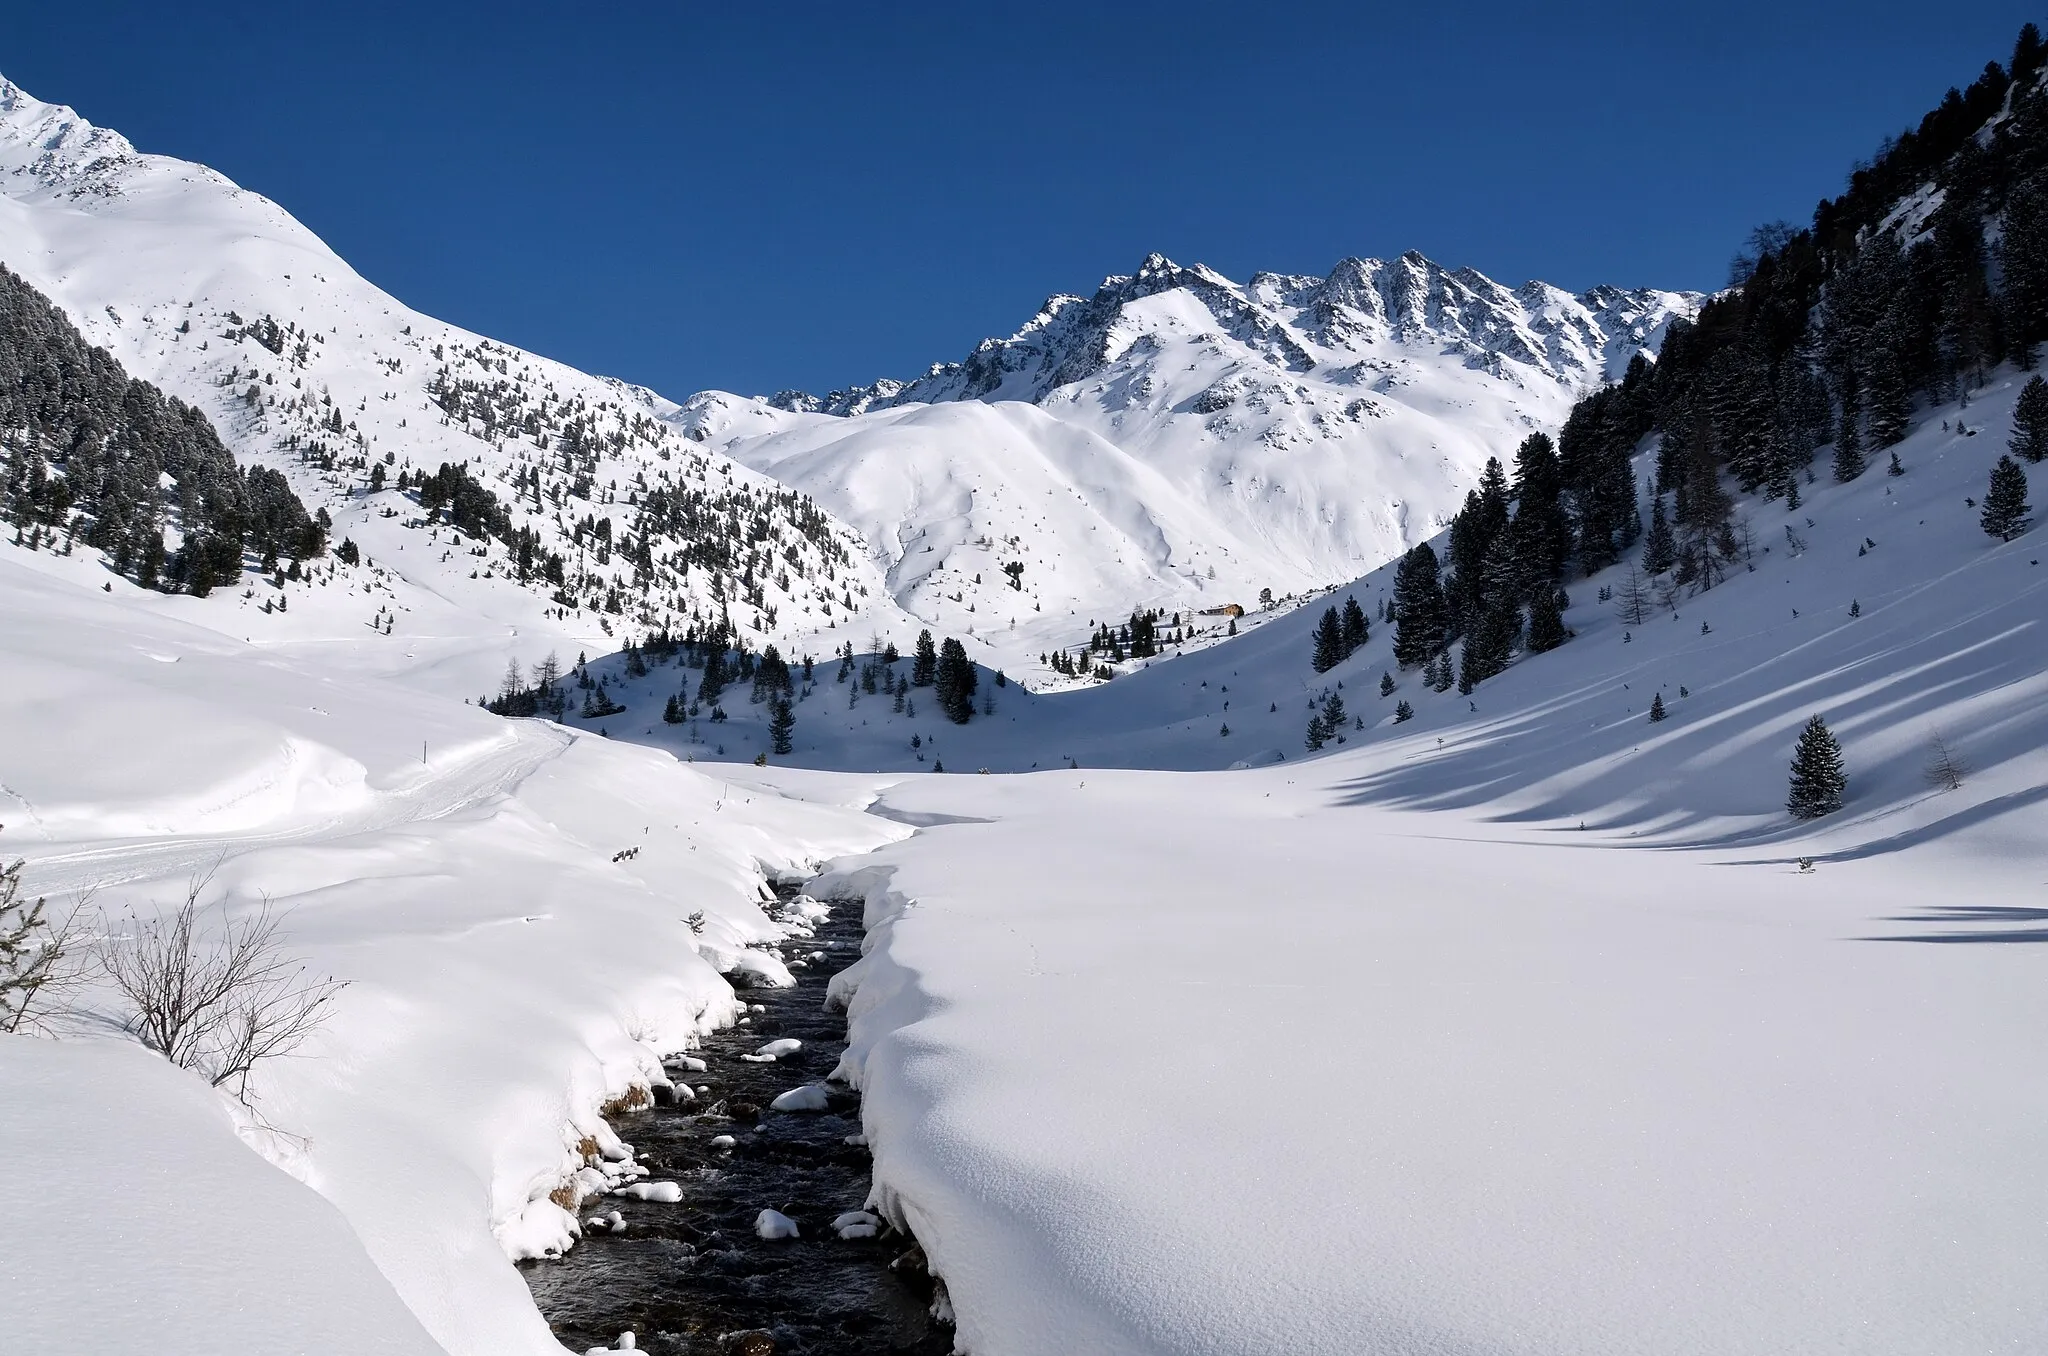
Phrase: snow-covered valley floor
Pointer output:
(1232, 1063)
(1514, 1027)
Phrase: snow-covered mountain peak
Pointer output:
(608, 520)
(1276, 434)
(60, 149)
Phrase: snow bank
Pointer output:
(1256, 1069)
(164, 1225)
(510, 972)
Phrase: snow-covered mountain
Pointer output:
(1176, 440)
(220, 297)
(1182, 440)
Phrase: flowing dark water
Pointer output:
(692, 1277)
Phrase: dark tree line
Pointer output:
(1929, 270)
(85, 451)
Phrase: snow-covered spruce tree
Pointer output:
(1329, 642)
(1656, 707)
(2030, 421)
(1818, 776)
(2005, 503)
(1386, 684)
(1403, 712)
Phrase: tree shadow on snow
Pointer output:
(1973, 913)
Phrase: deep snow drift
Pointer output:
(510, 970)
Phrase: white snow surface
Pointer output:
(1252, 1064)
(172, 1239)
(507, 977)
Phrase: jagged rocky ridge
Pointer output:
(1299, 324)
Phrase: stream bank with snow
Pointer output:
(749, 1232)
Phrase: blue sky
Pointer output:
(759, 196)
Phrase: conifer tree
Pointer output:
(1386, 684)
(1403, 712)
(1848, 448)
(1356, 632)
(1546, 622)
(1818, 776)
(924, 667)
(1656, 707)
(2030, 421)
(1660, 552)
(2005, 503)
(1420, 622)
(1329, 642)
(781, 725)
(1318, 732)
(955, 682)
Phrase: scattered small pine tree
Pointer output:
(1818, 776)
(1656, 708)
(2005, 503)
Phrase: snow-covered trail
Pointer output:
(464, 780)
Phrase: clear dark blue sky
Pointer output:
(754, 196)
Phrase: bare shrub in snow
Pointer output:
(217, 1003)
(39, 957)
(1945, 768)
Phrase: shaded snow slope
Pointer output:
(1194, 440)
(509, 971)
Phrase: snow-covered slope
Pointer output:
(217, 295)
(510, 969)
(1181, 440)
(1949, 636)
